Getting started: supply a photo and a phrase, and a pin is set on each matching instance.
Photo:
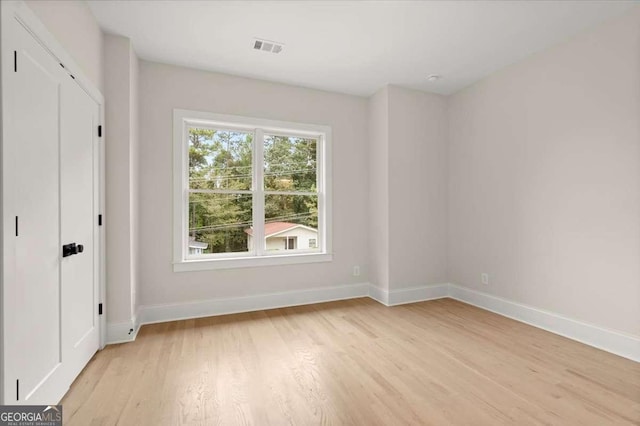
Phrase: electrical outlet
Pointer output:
(356, 271)
(484, 277)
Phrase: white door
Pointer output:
(49, 302)
(79, 119)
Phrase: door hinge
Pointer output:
(99, 220)
(16, 226)
(99, 308)
(18, 390)
(99, 131)
(15, 61)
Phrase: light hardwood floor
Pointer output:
(354, 362)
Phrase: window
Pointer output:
(249, 192)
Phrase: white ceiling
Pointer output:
(350, 46)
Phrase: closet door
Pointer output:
(32, 296)
(78, 184)
(50, 258)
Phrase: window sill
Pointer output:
(250, 262)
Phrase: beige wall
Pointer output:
(378, 188)
(74, 27)
(165, 87)
(544, 179)
(121, 216)
(417, 188)
(407, 189)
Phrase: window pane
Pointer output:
(219, 159)
(291, 223)
(219, 223)
(290, 163)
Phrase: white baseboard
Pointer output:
(621, 344)
(612, 341)
(122, 332)
(409, 294)
(150, 314)
(379, 295)
(417, 294)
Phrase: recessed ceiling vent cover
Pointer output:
(267, 46)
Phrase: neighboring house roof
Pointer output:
(197, 244)
(274, 228)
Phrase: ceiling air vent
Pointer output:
(267, 46)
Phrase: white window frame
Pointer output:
(182, 120)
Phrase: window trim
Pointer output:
(182, 119)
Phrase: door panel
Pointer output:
(32, 314)
(79, 124)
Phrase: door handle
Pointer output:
(71, 249)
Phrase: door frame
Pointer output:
(17, 10)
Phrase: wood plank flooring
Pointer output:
(354, 362)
